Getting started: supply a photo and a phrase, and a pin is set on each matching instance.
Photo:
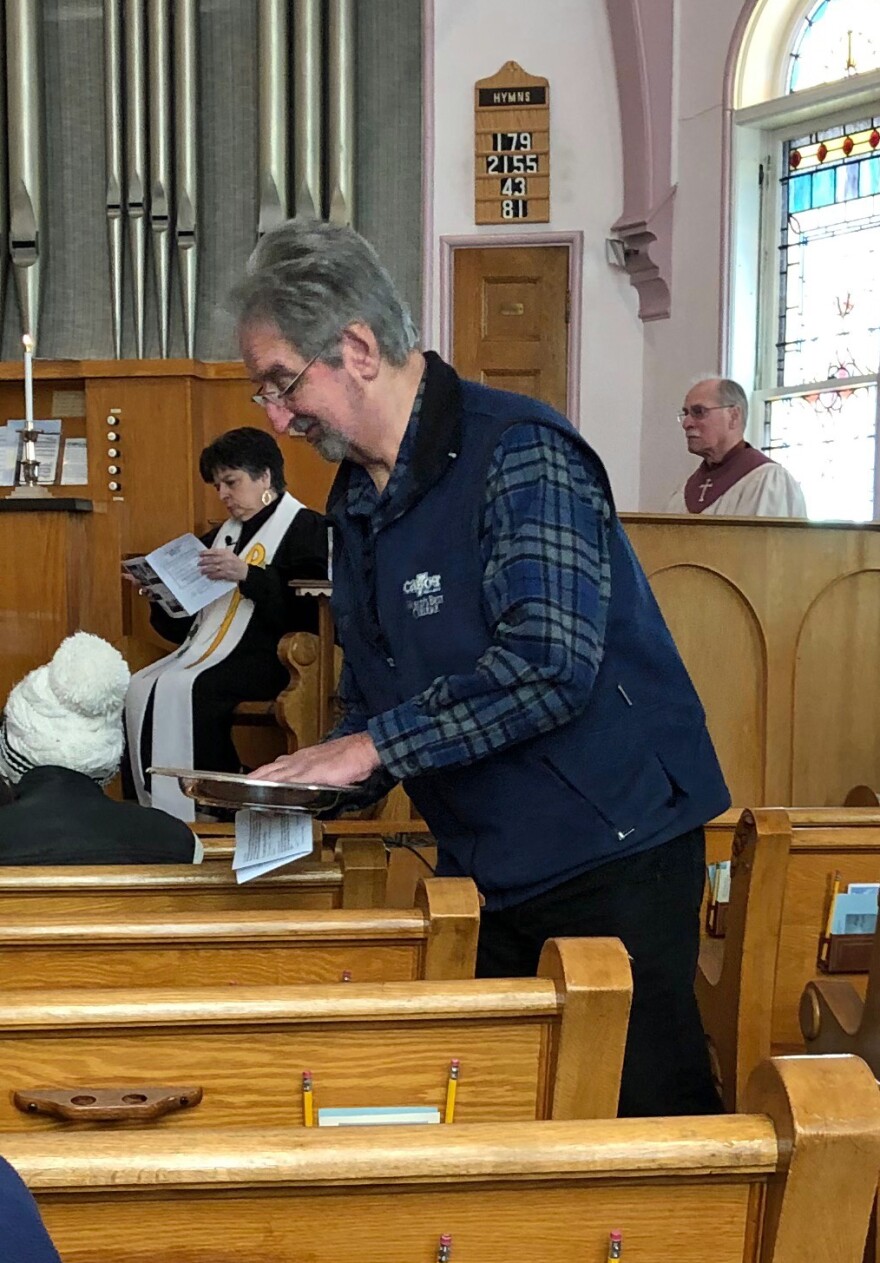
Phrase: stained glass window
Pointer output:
(839, 38)
(822, 422)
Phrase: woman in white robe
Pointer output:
(179, 710)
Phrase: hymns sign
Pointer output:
(512, 148)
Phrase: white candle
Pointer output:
(28, 343)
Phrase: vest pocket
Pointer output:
(628, 798)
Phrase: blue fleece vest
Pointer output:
(635, 769)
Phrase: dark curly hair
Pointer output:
(247, 448)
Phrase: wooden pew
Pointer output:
(110, 890)
(550, 1046)
(826, 840)
(790, 1182)
(835, 1019)
(437, 939)
(736, 975)
(411, 852)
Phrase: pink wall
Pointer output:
(687, 344)
(568, 41)
(633, 374)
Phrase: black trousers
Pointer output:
(651, 901)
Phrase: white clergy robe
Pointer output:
(765, 490)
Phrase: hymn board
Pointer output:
(512, 148)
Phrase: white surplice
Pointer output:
(769, 491)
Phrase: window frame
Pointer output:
(758, 134)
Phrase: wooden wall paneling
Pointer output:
(836, 729)
(729, 670)
(820, 681)
(155, 501)
(225, 404)
(49, 588)
(98, 576)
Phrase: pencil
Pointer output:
(445, 1251)
(308, 1100)
(835, 889)
(615, 1246)
(451, 1089)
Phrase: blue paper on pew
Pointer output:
(341, 1116)
(855, 912)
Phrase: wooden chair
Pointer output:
(435, 940)
(545, 1047)
(824, 841)
(357, 880)
(789, 1182)
(736, 975)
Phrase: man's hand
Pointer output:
(345, 761)
(222, 563)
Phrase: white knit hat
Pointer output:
(68, 713)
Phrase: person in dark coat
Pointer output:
(25, 1239)
(61, 740)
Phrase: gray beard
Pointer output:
(333, 447)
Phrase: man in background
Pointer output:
(733, 478)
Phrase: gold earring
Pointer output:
(267, 497)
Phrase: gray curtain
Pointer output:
(75, 314)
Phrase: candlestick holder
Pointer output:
(29, 486)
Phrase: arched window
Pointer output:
(808, 237)
(837, 38)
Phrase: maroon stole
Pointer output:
(709, 482)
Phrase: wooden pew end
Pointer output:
(831, 1012)
(593, 977)
(364, 872)
(826, 1111)
(452, 908)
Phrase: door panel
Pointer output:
(511, 319)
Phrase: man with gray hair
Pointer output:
(504, 656)
(733, 478)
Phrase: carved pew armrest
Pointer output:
(831, 1012)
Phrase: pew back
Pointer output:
(550, 1046)
(823, 841)
(436, 940)
(793, 1181)
(356, 880)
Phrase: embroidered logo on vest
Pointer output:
(425, 592)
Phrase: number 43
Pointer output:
(513, 187)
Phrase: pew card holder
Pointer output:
(846, 953)
(719, 897)
(716, 918)
(851, 920)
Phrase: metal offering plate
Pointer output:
(232, 790)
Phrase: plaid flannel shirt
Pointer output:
(546, 589)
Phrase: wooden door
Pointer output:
(510, 325)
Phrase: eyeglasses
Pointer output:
(699, 410)
(272, 397)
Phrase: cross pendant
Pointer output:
(704, 487)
